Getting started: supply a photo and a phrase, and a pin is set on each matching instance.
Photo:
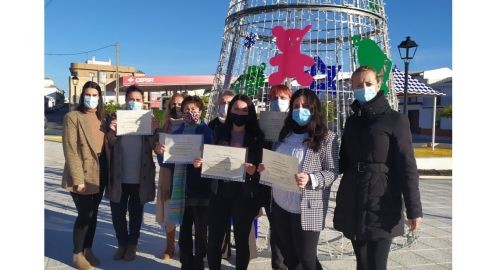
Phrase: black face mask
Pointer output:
(175, 113)
(239, 120)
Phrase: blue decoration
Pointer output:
(322, 68)
(250, 40)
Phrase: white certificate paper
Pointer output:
(280, 171)
(133, 122)
(181, 148)
(223, 162)
(271, 123)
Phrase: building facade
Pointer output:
(101, 72)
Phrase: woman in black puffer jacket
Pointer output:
(379, 171)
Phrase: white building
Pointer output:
(54, 97)
(422, 106)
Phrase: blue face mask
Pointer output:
(134, 105)
(280, 105)
(365, 94)
(90, 102)
(301, 116)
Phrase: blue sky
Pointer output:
(184, 37)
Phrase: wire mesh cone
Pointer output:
(248, 44)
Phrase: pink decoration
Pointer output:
(291, 62)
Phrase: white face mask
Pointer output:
(365, 94)
(223, 111)
(90, 102)
(280, 105)
(134, 105)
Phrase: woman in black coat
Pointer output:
(379, 171)
(239, 200)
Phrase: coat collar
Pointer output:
(378, 105)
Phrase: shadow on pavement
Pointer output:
(59, 243)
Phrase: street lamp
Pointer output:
(74, 80)
(407, 45)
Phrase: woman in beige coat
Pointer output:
(85, 169)
(173, 120)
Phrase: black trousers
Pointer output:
(243, 210)
(371, 255)
(87, 206)
(197, 215)
(129, 201)
(277, 259)
(298, 246)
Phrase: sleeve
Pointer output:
(110, 135)
(71, 150)
(256, 158)
(328, 174)
(112, 138)
(159, 158)
(207, 136)
(152, 139)
(406, 168)
(343, 160)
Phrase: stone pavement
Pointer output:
(432, 249)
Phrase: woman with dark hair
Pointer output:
(237, 199)
(379, 172)
(299, 217)
(173, 120)
(132, 178)
(85, 169)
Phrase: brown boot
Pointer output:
(80, 263)
(170, 248)
(130, 253)
(120, 251)
(89, 255)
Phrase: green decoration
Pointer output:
(251, 81)
(370, 54)
(374, 6)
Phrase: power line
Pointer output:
(81, 52)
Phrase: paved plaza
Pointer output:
(431, 250)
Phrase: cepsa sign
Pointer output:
(129, 80)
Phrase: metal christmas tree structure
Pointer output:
(345, 34)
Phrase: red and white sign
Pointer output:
(168, 80)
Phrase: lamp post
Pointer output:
(407, 45)
(74, 80)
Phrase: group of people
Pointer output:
(375, 159)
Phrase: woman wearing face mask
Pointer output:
(85, 169)
(132, 181)
(173, 121)
(379, 171)
(216, 125)
(223, 103)
(188, 204)
(237, 199)
(280, 96)
(299, 217)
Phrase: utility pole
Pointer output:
(117, 45)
